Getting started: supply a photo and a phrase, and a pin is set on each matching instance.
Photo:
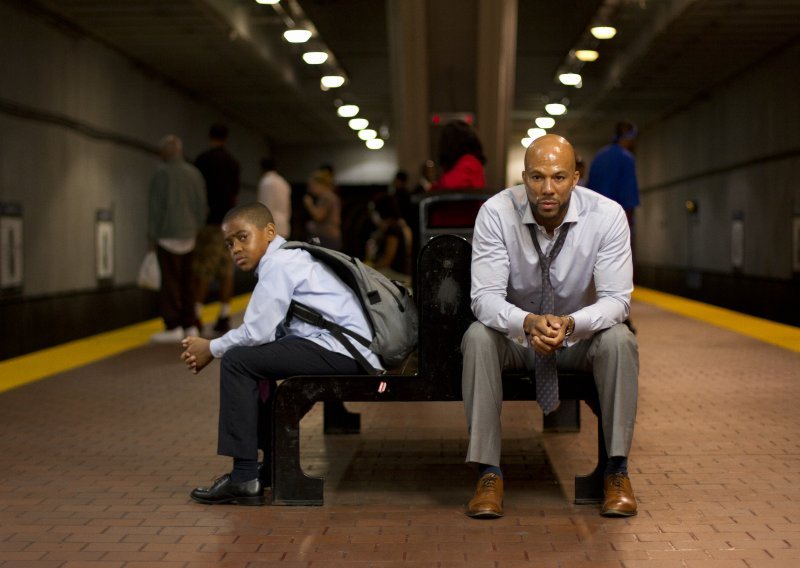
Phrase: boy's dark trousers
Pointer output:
(241, 370)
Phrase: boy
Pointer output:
(265, 347)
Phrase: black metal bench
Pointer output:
(444, 315)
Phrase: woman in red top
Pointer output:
(461, 160)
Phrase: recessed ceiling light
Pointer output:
(375, 144)
(332, 81)
(587, 55)
(545, 122)
(603, 32)
(347, 110)
(367, 134)
(358, 123)
(526, 142)
(297, 36)
(535, 133)
(315, 57)
(267, 1)
(556, 109)
(571, 79)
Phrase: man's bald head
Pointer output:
(549, 176)
(551, 147)
(171, 147)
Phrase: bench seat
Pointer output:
(444, 315)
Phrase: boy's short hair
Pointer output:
(256, 213)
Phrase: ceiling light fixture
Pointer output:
(358, 123)
(535, 133)
(603, 32)
(297, 36)
(315, 57)
(367, 134)
(267, 1)
(375, 144)
(586, 55)
(331, 81)
(545, 122)
(526, 142)
(347, 111)
(556, 109)
(570, 79)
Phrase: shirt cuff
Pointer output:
(216, 347)
(583, 326)
(516, 329)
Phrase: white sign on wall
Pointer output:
(11, 260)
(104, 245)
(796, 244)
(737, 242)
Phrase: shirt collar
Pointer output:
(276, 243)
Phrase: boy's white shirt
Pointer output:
(292, 274)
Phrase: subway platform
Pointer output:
(102, 440)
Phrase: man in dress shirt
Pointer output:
(592, 281)
(266, 347)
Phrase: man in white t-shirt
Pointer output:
(276, 193)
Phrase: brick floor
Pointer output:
(97, 464)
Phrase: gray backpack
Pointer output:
(388, 307)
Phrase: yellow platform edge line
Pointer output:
(35, 366)
(782, 335)
(32, 367)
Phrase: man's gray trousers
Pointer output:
(611, 355)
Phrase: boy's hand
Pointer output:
(197, 353)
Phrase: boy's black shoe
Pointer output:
(226, 491)
(223, 325)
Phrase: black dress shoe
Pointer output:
(226, 491)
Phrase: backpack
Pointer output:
(388, 306)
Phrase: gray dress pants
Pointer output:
(612, 355)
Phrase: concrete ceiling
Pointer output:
(666, 54)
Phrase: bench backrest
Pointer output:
(443, 270)
(449, 212)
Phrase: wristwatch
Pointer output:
(570, 326)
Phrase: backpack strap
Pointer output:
(310, 315)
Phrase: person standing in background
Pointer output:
(221, 172)
(325, 209)
(461, 158)
(176, 211)
(389, 249)
(276, 193)
(580, 167)
(613, 170)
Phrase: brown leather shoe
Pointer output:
(488, 500)
(619, 500)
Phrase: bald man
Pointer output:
(591, 277)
